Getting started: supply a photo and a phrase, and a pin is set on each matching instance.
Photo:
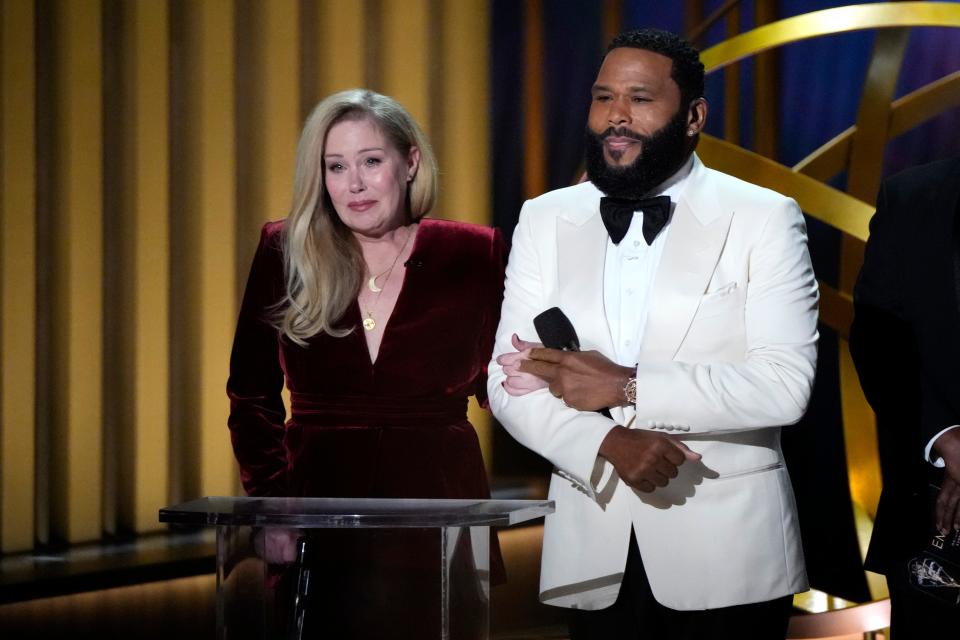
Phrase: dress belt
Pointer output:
(377, 411)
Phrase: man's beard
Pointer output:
(661, 155)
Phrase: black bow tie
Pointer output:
(617, 214)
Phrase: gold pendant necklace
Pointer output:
(369, 323)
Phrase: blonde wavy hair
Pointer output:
(323, 262)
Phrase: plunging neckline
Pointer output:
(388, 321)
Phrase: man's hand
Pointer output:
(517, 382)
(645, 460)
(584, 380)
(947, 446)
(948, 501)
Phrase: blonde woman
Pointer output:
(381, 323)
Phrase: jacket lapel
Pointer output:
(697, 234)
(581, 251)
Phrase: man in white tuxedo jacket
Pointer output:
(675, 517)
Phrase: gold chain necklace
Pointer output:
(369, 323)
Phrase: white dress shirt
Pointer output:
(629, 271)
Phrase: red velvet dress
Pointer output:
(393, 429)
(396, 428)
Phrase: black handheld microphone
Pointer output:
(556, 332)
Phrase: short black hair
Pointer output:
(687, 69)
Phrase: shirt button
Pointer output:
(626, 342)
(630, 292)
(636, 243)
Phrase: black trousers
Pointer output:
(636, 615)
(915, 616)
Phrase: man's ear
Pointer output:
(696, 117)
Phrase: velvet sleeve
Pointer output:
(491, 311)
(257, 413)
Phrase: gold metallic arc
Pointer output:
(905, 113)
(879, 15)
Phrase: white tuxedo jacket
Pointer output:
(727, 357)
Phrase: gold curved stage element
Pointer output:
(858, 151)
(905, 113)
(878, 15)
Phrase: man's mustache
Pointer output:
(621, 132)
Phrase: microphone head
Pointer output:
(555, 330)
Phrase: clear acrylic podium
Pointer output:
(353, 568)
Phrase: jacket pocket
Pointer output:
(720, 301)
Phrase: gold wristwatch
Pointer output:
(630, 391)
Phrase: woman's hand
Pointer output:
(276, 545)
(519, 383)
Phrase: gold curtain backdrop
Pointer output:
(142, 145)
